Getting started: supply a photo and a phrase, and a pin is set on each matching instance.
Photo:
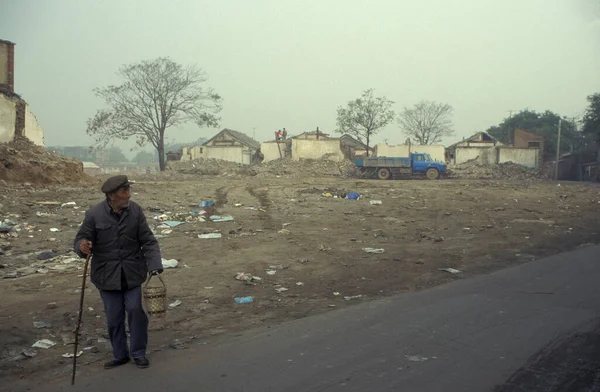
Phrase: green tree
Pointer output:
(544, 124)
(145, 158)
(427, 122)
(115, 155)
(155, 96)
(591, 119)
(365, 116)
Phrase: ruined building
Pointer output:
(16, 120)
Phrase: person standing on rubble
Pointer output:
(124, 251)
(278, 135)
(284, 134)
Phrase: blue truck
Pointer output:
(417, 164)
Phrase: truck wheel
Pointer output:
(384, 174)
(432, 174)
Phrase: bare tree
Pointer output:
(155, 96)
(365, 116)
(427, 122)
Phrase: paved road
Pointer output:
(534, 327)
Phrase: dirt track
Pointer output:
(474, 226)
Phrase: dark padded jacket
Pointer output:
(120, 244)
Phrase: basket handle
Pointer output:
(150, 277)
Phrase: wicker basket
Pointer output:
(155, 298)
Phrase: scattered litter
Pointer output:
(46, 255)
(375, 202)
(51, 305)
(208, 288)
(299, 283)
(178, 345)
(209, 235)
(207, 203)
(46, 214)
(281, 289)
(336, 293)
(238, 205)
(303, 261)
(71, 203)
(175, 304)
(353, 196)
(171, 263)
(173, 223)
(373, 250)
(324, 248)
(244, 300)
(270, 272)
(166, 232)
(54, 229)
(29, 353)
(351, 297)
(416, 358)
(284, 231)
(41, 324)
(70, 355)
(451, 270)
(219, 218)
(44, 343)
(247, 278)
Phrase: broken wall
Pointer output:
(317, 149)
(237, 154)
(7, 119)
(437, 152)
(484, 155)
(528, 157)
(270, 150)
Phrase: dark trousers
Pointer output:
(116, 303)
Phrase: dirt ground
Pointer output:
(315, 244)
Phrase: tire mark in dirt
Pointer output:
(262, 195)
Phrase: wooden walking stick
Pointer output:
(85, 269)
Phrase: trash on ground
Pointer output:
(29, 353)
(173, 223)
(71, 203)
(373, 250)
(209, 235)
(284, 231)
(270, 272)
(171, 263)
(326, 194)
(219, 218)
(175, 304)
(244, 300)
(416, 358)
(281, 289)
(44, 343)
(451, 270)
(207, 203)
(336, 293)
(353, 196)
(238, 205)
(46, 255)
(54, 229)
(375, 202)
(350, 297)
(41, 324)
(70, 355)
(166, 232)
(247, 278)
(299, 283)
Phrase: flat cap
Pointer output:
(114, 183)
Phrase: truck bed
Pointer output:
(402, 162)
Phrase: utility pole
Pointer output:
(508, 137)
(254, 133)
(557, 150)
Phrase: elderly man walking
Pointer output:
(124, 251)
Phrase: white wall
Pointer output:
(33, 131)
(271, 152)
(485, 155)
(316, 149)
(229, 153)
(437, 152)
(8, 118)
(523, 156)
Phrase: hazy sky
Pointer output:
(291, 63)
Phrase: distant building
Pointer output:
(228, 145)
(527, 139)
(91, 168)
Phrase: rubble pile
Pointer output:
(281, 167)
(312, 167)
(502, 171)
(211, 167)
(22, 161)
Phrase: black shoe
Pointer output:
(116, 363)
(141, 362)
